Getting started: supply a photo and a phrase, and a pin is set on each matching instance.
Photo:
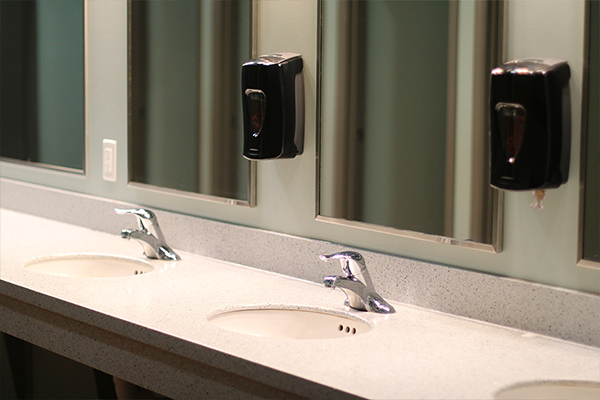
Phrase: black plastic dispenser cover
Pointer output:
(530, 117)
(273, 103)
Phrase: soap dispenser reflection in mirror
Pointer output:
(530, 124)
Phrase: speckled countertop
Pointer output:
(415, 353)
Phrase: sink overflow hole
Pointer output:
(347, 329)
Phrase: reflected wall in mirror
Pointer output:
(185, 128)
(591, 146)
(404, 129)
(42, 115)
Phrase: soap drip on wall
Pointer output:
(539, 196)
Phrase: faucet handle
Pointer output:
(146, 220)
(345, 258)
(142, 213)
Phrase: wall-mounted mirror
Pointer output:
(403, 125)
(185, 128)
(590, 155)
(42, 100)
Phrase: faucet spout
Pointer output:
(356, 284)
(354, 289)
(149, 235)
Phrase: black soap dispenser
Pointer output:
(273, 104)
(530, 124)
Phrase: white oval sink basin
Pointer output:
(552, 390)
(283, 323)
(89, 266)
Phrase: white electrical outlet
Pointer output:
(109, 160)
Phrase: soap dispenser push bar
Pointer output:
(356, 283)
(149, 234)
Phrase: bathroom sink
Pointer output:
(89, 266)
(551, 390)
(284, 323)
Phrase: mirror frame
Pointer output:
(84, 157)
(495, 56)
(585, 110)
(252, 175)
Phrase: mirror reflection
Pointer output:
(185, 128)
(403, 102)
(42, 99)
(591, 149)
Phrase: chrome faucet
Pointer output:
(356, 283)
(149, 235)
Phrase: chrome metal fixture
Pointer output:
(356, 283)
(149, 235)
